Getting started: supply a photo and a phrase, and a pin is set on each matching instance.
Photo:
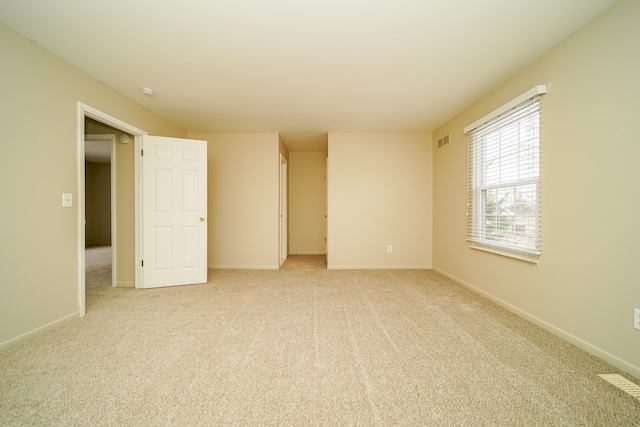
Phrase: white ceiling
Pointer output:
(300, 67)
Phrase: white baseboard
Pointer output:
(243, 267)
(23, 337)
(125, 285)
(308, 253)
(578, 342)
(378, 267)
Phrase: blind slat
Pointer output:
(504, 182)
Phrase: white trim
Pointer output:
(379, 267)
(37, 331)
(242, 267)
(114, 246)
(538, 90)
(87, 111)
(109, 120)
(283, 247)
(578, 342)
(81, 214)
(137, 173)
(520, 255)
(126, 284)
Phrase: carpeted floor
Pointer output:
(305, 262)
(97, 266)
(305, 346)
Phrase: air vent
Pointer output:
(623, 384)
(444, 141)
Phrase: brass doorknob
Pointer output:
(201, 219)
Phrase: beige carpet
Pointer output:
(97, 266)
(305, 262)
(305, 346)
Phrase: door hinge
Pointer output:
(142, 152)
(142, 263)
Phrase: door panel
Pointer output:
(174, 205)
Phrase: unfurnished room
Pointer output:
(319, 213)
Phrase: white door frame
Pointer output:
(111, 139)
(90, 112)
(283, 211)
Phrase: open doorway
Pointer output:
(307, 171)
(123, 139)
(133, 190)
(100, 213)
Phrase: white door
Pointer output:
(174, 211)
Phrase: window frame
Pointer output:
(514, 113)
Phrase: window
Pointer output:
(504, 179)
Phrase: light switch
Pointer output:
(67, 200)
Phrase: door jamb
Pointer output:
(284, 214)
(90, 112)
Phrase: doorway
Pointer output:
(131, 255)
(86, 115)
(99, 201)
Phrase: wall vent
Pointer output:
(623, 384)
(444, 141)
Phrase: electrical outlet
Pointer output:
(389, 248)
(636, 318)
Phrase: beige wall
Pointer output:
(307, 202)
(243, 204)
(39, 284)
(586, 285)
(97, 203)
(379, 194)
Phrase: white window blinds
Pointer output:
(504, 179)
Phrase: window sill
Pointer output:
(528, 258)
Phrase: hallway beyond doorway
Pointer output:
(305, 262)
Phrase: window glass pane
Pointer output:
(505, 159)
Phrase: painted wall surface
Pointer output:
(379, 194)
(98, 203)
(243, 204)
(307, 202)
(39, 256)
(586, 285)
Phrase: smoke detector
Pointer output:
(147, 91)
